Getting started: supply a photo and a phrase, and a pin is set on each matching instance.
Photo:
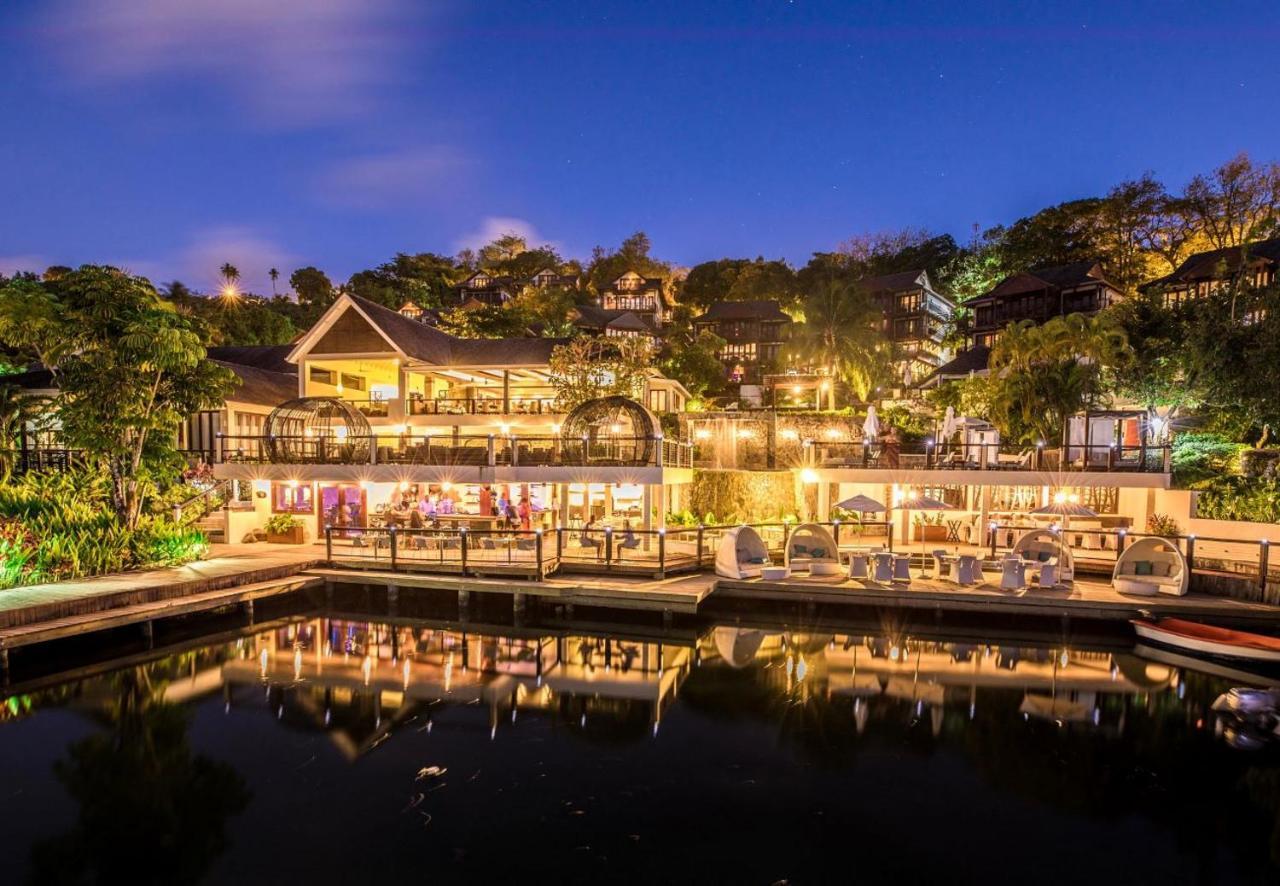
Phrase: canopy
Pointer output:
(811, 543)
(871, 425)
(1046, 546)
(861, 504)
(1164, 568)
(924, 503)
(742, 554)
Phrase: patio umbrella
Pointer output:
(871, 425)
(923, 503)
(861, 504)
(949, 425)
(1066, 510)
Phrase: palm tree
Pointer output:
(841, 333)
(230, 274)
(274, 274)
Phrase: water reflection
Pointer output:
(1090, 730)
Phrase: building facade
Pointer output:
(754, 333)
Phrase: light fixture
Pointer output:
(808, 475)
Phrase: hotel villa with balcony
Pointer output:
(390, 417)
(1255, 265)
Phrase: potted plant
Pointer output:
(285, 529)
(929, 528)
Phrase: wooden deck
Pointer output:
(1085, 598)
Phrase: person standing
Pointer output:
(525, 512)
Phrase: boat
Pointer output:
(1209, 640)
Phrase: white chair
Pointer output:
(1048, 575)
(1013, 575)
(968, 570)
(857, 565)
(901, 567)
(884, 567)
(939, 564)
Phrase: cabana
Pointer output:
(1046, 546)
(1151, 566)
(812, 547)
(742, 554)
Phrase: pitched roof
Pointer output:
(973, 360)
(897, 282)
(1051, 277)
(273, 358)
(428, 344)
(1209, 265)
(592, 317)
(261, 386)
(763, 310)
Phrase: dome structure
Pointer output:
(317, 429)
(612, 431)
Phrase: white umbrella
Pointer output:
(871, 426)
(923, 503)
(1066, 510)
(949, 424)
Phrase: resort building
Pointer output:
(753, 331)
(484, 288)
(645, 296)
(1037, 295)
(1254, 265)
(915, 319)
(388, 414)
(615, 323)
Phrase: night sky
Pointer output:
(170, 136)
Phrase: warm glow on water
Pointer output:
(349, 746)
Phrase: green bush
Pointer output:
(1200, 458)
(1240, 498)
(60, 526)
(282, 523)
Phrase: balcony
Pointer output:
(480, 406)
(454, 450)
(987, 457)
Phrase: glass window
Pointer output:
(288, 498)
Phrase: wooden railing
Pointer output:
(987, 456)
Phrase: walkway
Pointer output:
(228, 566)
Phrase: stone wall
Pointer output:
(742, 496)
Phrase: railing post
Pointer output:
(559, 543)
(608, 545)
(490, 460)
(660, 453)
(1191, 553)
(462, 534)
(993, 530)
(1264, 557)
(391, 530)
(786, 538)
(700, 530)
(328, 544)
(662, 553)
(1121, 535)
(218, 448)
(890, 534)
(537, 547)
(514, 443)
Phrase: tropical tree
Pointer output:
(1042, 375)
(842, 334)
(128, 367)
(230, 274)
(274, 274)
(694, 361)
(587, 368)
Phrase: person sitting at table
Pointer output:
(446, 505)
(629, 538)
(415, 519)
(586, 540)
(525, 512)
(510, 518)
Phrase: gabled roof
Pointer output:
(274, 358)
(1053, 278)
(261, 387)
(417, 341)
(902, 281)
(592, 317)
(1211, 265)
(764, 310)
(962, 365)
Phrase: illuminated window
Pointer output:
(289, 498)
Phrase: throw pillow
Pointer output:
(1142, 567)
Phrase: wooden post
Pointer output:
(1191, 553)
(391, 531)
(700, 531)
(462, 535)
(1264, 556)
(662, 553)
(993, 530)
(537, 547)
(328, 544)
(608, 545)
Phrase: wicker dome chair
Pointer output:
(322, 430)
(612, 431)
(1151, 566)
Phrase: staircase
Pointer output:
(214, 526)
(210, 506)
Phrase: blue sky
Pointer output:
(172, 135)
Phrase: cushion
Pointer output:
(758, 560)
(1142, 567)
(818, 552)
(799, 550)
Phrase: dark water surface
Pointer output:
(350, 747)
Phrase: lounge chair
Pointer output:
(1151, 566)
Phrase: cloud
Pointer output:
(494, 227)
(394, 178)
(196, 264)
(12, 264)
(287, 62)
